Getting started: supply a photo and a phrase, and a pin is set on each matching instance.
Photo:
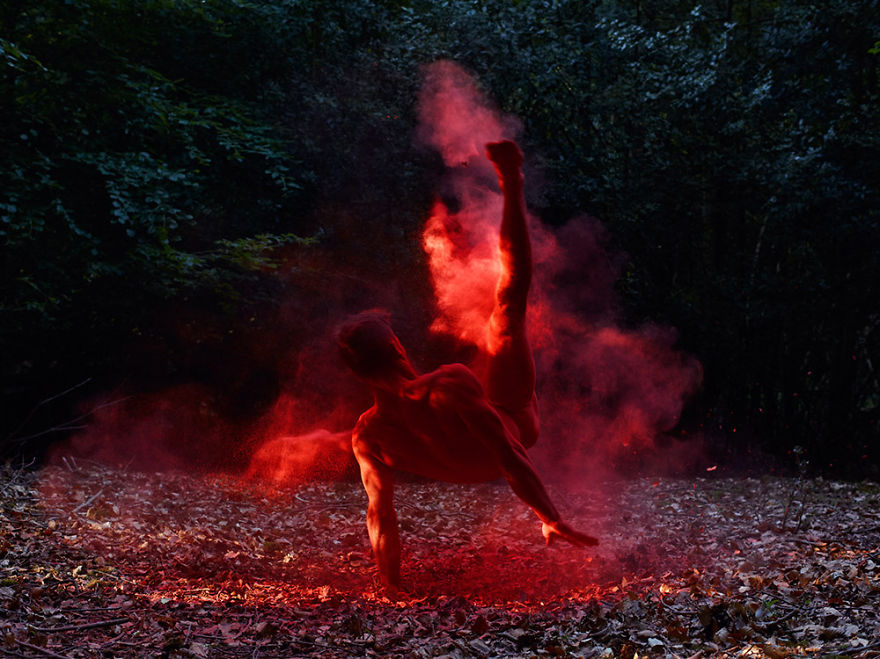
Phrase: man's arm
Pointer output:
(485, 424)
(378, 481)
(516, 248)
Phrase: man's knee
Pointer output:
(525, 422)
(529, 425)
(507, 329)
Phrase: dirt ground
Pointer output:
(98, 561)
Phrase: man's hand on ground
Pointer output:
(562, 530)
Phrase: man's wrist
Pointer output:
(512, 181)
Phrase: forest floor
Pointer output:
(96, 561)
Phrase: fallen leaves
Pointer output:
(99, 562)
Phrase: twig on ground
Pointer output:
(87, 625)
(318, 644)
(852, 651)
(108, 643)
(863, 530)
(45, 651)
(323, 505)
(770, 625)
(16, 475)
(87, 501)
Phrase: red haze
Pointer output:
(285, 459)
(605, 390)
(293, 460)
(172, 429)
(462, 252)
(455, 117)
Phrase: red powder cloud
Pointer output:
(177, 428)
(455, 116)
(605, 389)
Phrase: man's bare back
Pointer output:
(427, 428)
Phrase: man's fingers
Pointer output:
(568, 534)
(576, 540)
(585, 540)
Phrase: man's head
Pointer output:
(371, 349)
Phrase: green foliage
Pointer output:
(120, 145)
(747, 176)
(158, 150)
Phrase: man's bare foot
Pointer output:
(506, 156)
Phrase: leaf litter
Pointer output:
(97, 561)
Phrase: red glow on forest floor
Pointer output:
(499, 588)
(101, 556)
(603, 390)
(192, 540)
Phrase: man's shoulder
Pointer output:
(366, 433)
(454, 377)
(364, 420)
(452, 384)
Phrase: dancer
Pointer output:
(447, 425)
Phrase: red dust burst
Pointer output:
(605, 389)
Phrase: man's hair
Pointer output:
(370, 347)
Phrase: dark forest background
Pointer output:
(189, 189)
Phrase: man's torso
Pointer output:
(422, 430)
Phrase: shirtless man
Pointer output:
(446, 424)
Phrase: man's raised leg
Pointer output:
(510, 377)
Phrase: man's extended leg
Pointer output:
(510, 377)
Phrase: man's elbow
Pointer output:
(513, 465)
